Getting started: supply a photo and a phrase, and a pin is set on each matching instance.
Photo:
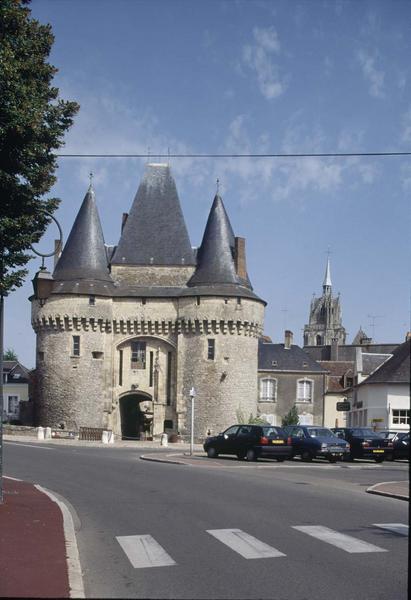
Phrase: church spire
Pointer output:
(84, 254)
(327, 279)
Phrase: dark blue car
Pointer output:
(312, 441)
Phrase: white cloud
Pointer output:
(374, 76)
(259, 58)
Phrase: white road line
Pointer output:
(340, 540)
(143, 551)
(395, 527)
(244, 544)
(29, 445)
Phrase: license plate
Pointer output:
(339, 450)
(378, 451)
(277, 441)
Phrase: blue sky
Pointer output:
(249, 77)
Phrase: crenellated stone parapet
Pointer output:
(147, 327)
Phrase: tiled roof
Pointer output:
(84, 254)
(395, 370)
(337, 369)
(275, 357)
(155, 232)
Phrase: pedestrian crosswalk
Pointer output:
(143, 551)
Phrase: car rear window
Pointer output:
(268, 431)
(320, 432)
(365, 433)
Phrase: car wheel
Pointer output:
(212, 452)
(280, 459)
(332, 459)
(380, 459)
(306, 456)
(241, 455)
(390, 457)
(251, 455)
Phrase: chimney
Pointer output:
(123, 221)
(57, 249)
(240, 262)
(358, 360)
(288, 339)
(334, 349)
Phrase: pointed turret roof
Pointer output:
(361, 335)
(84, 254)
(155, 232)
(327, 277)
(215, 257)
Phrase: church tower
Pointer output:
(325, 317)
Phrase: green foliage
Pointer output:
(33, 120)
(291, 418)
(10, 355)
(252, 420)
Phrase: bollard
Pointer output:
(164, 440)
(110, 437)
(104, 437)
(40, 433)
(47, 433)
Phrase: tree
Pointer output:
(10, 354)
(291, 418)
(252, 420)
(33, 120)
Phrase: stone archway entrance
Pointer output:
(135, 423)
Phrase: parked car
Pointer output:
(310, 441)
(365, 443)
(250, 442)
(400, 446)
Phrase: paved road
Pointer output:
(226, 532)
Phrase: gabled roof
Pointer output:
(84, 254)
(337, 369)
(16, 372)
(215, 257)
(275, 357)
(394, 370)
(155, 232)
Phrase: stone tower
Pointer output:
(325, 317)
(127, 331)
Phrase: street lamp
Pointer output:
(192, 396)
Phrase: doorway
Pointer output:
(134, 423)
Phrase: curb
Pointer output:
(75, 575)
(150, 458)
(374, 490)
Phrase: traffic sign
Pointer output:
(343, 406)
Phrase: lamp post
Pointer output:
(42, 284)
(192, 396)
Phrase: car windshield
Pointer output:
(272, 431)
(365, 433)
(321, 432)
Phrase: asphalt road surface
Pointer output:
(294, 531)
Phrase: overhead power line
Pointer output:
(168, 155)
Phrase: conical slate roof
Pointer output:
(215, 257)
(327, 277)
(155, 232)
(84, 254)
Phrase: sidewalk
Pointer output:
(393, 489)
(34, 552)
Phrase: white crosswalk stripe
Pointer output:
(244, 544)
(340, 540)
(395, 527)
(143, 551)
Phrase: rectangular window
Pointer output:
(268, 390)
(304, 390)
(76, 345)
(138, 355)
(92, 300)
(211, 349)
(401, 416)
(169, 364)
(151, 369)
(13, 405)
(120, 367)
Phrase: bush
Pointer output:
(291, 418)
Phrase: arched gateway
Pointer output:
(135, 421)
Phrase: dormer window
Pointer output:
(305, 364)
(274, 363)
